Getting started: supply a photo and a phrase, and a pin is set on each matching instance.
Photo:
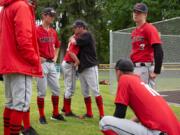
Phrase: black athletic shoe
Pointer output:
(29, 131)
(87, 116)
(42, 120)
(58, 117)
(71, 114)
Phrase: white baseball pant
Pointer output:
(89, 81)
(50, 78)
(144, 72)
(125, 127)
(69, 72)
(18, 91)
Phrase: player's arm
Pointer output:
(120, 110)
(24, 32)
(158, 57)
(57, 46)
(75, 58)
(84, 39)
(56, 54)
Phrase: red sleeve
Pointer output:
(153, 35)
(24, 29)
(57, 42)
(74, 48)
(122, 95)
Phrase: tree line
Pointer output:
(104, 15)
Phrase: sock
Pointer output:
(55, 102)
(15, 122)
(40, 103)
(67, 105)
(26, 119)
(6, 117)
(109, 132)
(99, 102)
(88, 106)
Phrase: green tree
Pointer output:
(105, 15)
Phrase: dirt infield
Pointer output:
(171, 96)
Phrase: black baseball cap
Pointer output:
(124, 65)
(49, 11)
(141, 7)
(80, 23)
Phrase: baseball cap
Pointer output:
(124, 65)
(79, 23)
(141, 7)
(49, 11)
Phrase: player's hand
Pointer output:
(76, 64)
(54, 60)
(153, 75)
(42, 59)
(73, 40)
(135, 119)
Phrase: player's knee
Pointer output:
(41, 95)
(104, 121)
(68, 95)
(96, 94)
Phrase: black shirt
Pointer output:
(87, 54)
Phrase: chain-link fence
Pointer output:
(120, 46)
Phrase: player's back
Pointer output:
(151, 109)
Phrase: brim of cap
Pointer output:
(139, 10)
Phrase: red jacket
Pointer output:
(18, 43)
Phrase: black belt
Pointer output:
(49, 60)
(162, 133)
(68, 62)
(142, 64)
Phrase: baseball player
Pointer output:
(19, 61)
(49, 47)
(69, 66)
(152, 111)
(146, 53)
(88, 70)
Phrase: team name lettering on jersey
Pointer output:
(137, 38)
(46, 39)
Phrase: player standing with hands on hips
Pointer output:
(19, 61)
(88, 70)
(146, 46)
(154, 114)
(49, 47)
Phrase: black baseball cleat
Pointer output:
(42, 120)
(29, 131)
(87, 116)
(71, 114)
(58, 117)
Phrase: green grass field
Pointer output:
(72, 126)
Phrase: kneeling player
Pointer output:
(150, 108)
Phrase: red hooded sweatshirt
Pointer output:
(19, 51)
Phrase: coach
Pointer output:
(88, 71)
